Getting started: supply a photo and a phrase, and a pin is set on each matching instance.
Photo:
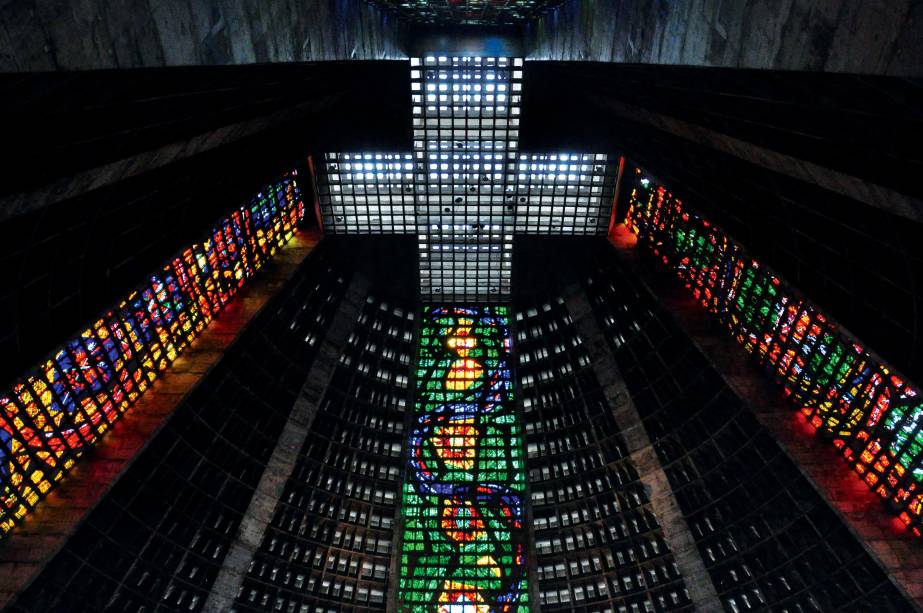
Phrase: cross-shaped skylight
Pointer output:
(465, 189)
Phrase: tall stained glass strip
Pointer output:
(868, 411)
(61, 408)
(464, 538)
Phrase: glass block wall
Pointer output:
(465, 188)
(368, 193)
(872, 414)
(158, 538)
(599, 546)
(330, 542)
(57, 411)
(465, 542)
(563, 194)
(767, 538)
(465, 125)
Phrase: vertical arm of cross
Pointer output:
(465, 189)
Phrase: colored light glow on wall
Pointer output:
(464, 539)
(871, 414)
(62, 407)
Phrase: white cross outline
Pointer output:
(465, 189)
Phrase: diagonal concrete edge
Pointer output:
(44, 533)
(282, 462)
(842, 183)
(863, 512)
(664, 504)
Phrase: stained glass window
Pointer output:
(55, 412)
(464, 542)
(872, 414)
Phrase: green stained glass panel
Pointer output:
(464, 539)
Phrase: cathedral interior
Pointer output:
(461, 306)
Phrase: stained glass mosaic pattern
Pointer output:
(470, 12)
(870, 413)
(61, 408)
(464, 543)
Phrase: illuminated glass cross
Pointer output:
(465, 189)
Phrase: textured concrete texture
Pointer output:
(869, 193)
(43, 35)
(24, 554)
(865, 514)
(858, 36)
(643, 456)
(76, 132)
(279, 469)
(126, 168)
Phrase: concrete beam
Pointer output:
(880, 37)
(643, 457)
(835, 181)
(48, 35)
(864, 514)
(33, 544)
(108, 174)
(265, 499)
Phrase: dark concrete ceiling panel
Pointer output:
(50, 35)
(880, 37)
(115, 170)
(792, 165)
(470, 12)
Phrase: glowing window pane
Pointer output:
(464, 540)
(56, 411)
(465, 189)
(872, 415)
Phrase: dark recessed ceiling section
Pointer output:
(470, 12)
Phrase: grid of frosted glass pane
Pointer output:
(465, 189)
(466, 129)
(565, 194)
(367, 193)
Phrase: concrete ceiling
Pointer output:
(470, 12)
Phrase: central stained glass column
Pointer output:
(464, 538)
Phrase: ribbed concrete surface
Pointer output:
(892, 546)
(41, 35)
(285, 455)
(663, 501)
(860, 36)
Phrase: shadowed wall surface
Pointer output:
(39, 35)
(878, 37)
(790, 164)
(114, 171)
